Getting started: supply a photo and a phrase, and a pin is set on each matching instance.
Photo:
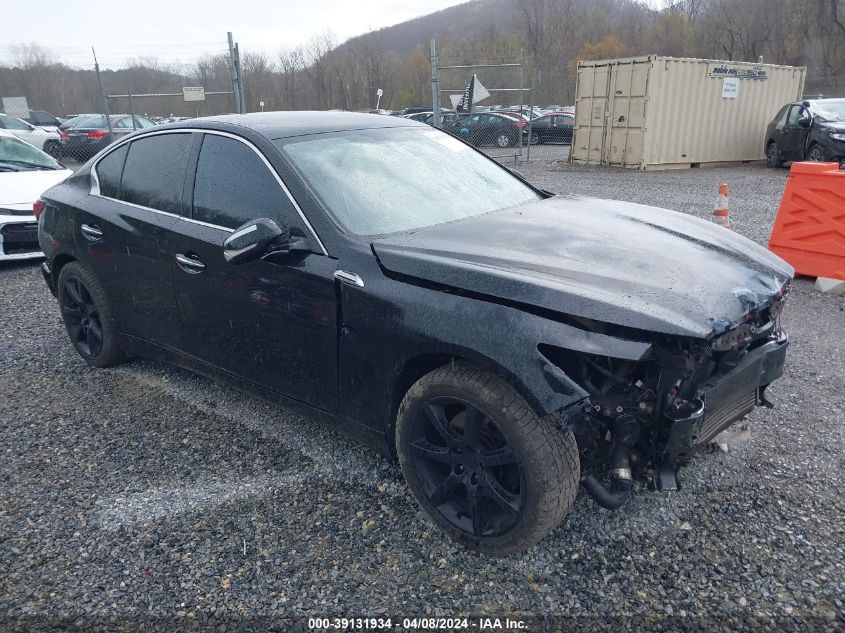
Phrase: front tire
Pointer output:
(816, 153)
(488, 471)
(87, 316)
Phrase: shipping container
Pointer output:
(664, 112)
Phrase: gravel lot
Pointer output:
(147, 493)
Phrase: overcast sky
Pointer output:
(177, 30)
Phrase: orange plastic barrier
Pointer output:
(809, 231)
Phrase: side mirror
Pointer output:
(804, 122)
(251, 240)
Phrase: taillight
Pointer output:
(38, 208)
(97, 134)
(63, 135)
(519, 124)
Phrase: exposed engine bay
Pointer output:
(644, 418)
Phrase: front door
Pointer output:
(270, 321)
(793, 135)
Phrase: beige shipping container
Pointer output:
(665, 112)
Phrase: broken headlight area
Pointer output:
(644, 417)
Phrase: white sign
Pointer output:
(730, 87)
(740, 71)
(379, 92)
(193, 93)
(16, 106)
(261, 104)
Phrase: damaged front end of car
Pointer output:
(644, 418)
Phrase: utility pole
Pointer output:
(131, 109)
(240, 78)
(102, 92)
(235, 89)
(435, 85)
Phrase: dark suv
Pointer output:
(807, 130)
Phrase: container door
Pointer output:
(623, 142)
(591, 102)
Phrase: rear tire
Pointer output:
(87, 317)
(773, 155)
(488, 471)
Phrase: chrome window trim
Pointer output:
(167, 213)
(95, 184)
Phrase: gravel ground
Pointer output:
(148, 494)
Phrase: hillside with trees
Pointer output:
(550, 35)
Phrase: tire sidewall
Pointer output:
(772, 159)
(110, 352)
(818, 150)
(533, 477)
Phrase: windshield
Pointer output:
(397, 179)
(15, 155)
(830, 110)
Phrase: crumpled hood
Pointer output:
(616, 262)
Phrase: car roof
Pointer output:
(276, 125)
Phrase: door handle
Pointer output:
(189, 263)
(92, 233)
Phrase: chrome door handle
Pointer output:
(190, 264)
(91, 232)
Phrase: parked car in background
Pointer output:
(73, 119)
(807, 130)
(88, 135)
(446, 118)
(42, 139)
(552, 128)
(488, 128)
(25, 173)
(44, 120)
(506, 344)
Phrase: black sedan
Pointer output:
(486, 128)
(86, 136)
(554, 128)
(381, 275)
(807, 130)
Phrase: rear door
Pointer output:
(124, 228)
(272, 322)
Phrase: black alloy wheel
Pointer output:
(488, 471)
(81, 317)
(467, 468)
(87, 316)
(534, 139)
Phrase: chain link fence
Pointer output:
(821, 87)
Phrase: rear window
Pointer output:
(92, 121)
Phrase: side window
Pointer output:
(109, 170)
(154, 173)
(781, 117)
(796, 113)
(143, 123)
(124, 123)
(234, 186)
(15, 124)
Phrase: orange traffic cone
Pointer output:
(721, 215)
